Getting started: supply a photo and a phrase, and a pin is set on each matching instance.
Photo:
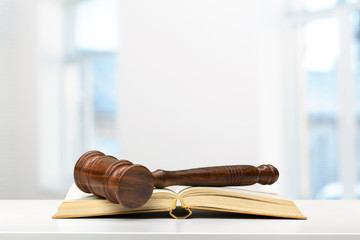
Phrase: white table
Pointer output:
(31, 219)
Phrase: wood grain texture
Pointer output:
(117, 181)
(121, 181)
(233, 175)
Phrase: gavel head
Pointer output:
(119, 181)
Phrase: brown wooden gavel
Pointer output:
(131, 185)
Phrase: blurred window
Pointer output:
(328, 56)
(319, 5)
(321, 49)
(356, 38)
(89, 93)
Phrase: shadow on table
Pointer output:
(196, 214)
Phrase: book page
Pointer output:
(237, 199)
(80, 204)
(176, 189)
(231, 190)
(75, 194)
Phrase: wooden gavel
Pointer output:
(131, 185)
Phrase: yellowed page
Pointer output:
(80, 204)
(234, 199)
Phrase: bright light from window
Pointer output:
(321, 44)
(95, 22)
(316, 5)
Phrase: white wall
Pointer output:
(271, 86)
(192, 81)
(27, 128)
(18, 140)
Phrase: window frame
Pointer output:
(297, 118)
(83, 60)
(56, 159)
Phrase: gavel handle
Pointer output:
(234, 175)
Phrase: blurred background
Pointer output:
(176, 84)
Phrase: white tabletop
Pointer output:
(31, 219)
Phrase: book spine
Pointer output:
(180, 212)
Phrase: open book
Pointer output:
(180, 200)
